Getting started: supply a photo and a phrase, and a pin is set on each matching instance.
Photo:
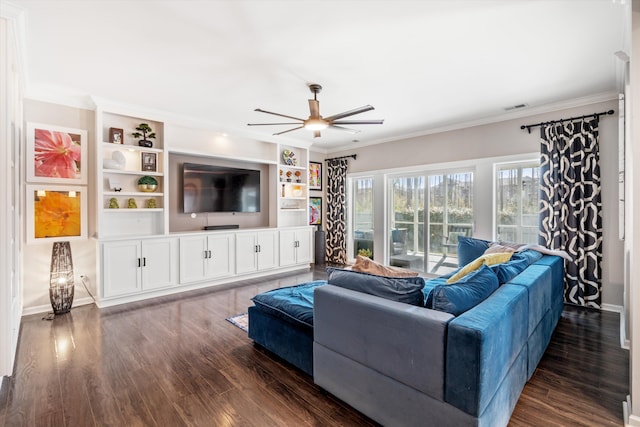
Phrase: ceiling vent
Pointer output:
(516, 107)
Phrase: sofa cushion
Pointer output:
(294, 303)
(470, 249)
(485, 259)
(406, 289)
(366, 265)
(466, 293)
(517, 264)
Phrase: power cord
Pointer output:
(84, 279)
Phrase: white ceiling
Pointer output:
(422, 64)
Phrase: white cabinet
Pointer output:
(295, 246)
(204, 257)
(256, 251)
(132, 266)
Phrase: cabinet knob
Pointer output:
(139, 263)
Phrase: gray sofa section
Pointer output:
(404, 365)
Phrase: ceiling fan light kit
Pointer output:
(316, 122)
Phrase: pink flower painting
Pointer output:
(56, 154)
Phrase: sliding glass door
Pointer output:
(406, 228)
(450, 216)
(448, 198)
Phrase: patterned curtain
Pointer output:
(336, 249)
(570, 205)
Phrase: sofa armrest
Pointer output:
(404, 342)
(482, 345)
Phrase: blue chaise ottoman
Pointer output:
(282, 322)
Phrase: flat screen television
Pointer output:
(209, 188)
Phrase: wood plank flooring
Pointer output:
(175, 361)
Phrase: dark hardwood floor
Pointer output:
(175, 361)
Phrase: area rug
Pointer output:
(240, 320)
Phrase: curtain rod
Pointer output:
(528, 127)
(342, 157)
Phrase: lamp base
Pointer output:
(61, 299)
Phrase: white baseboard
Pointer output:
(47, 308)
(611, 307)
(629, 419)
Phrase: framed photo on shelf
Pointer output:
(315, 176)
(56, 155)
(116, 136)
(149, 162)
(315, 210)
(56, 212)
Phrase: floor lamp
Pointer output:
(61, 279)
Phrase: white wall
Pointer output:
(480, 146)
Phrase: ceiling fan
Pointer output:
(316, 122)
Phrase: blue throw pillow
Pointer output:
(402, 289)
(470, 249)
(517, 264)
(465, 293)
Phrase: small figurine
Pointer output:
(297, 174)
(132, 204)
(289, 176)
(151, 204)
(113, 203)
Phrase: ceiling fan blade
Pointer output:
(270, 124)
(349, 113)
(316, 134)
(289, 130)
(277, 114)
(358, 122)
(344, 129)
(314, 108)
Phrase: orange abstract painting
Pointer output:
(57, 213)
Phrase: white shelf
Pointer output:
(300, 168)
(129, 147)
(293, 209)
(293, 183)
(125, 172)
(127, 210)
(293, 198)
(132, 193)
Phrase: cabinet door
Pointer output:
(303, 252)
(193, 258)
(287, 247)
(159, 263)
(120, 270)
(267, 250)
(222, 247)
(246, 259)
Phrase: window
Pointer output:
(362, 208)
(516, 210)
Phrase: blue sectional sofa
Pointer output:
(402, 364)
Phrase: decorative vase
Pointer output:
(147, 188)
(61, 286)
(145, 143)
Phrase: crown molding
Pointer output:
(511, 115)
